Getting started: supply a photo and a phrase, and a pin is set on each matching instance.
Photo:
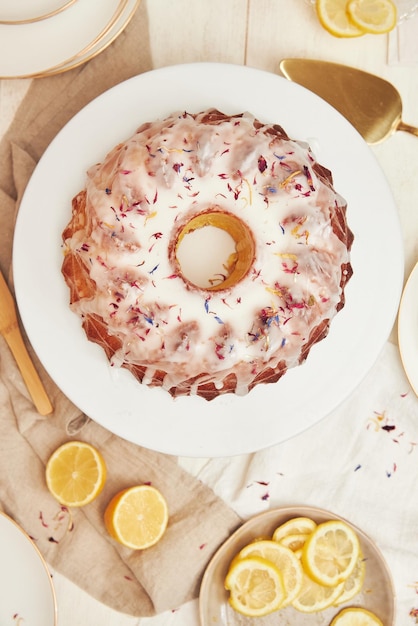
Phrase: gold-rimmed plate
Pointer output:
(27, 593)
(377, 594)
(21, 12)
(68, 38)
(119, 23)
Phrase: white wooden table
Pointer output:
(257, 33)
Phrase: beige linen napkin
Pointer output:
(76, 543)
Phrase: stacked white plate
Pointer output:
(46, 37)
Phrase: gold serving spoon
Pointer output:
(370, 103)
(10, 330)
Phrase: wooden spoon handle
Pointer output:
(28, 371)
(407, 128)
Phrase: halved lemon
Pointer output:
(331, 552)
(255, 585)
(284, 559)
(75, 473)
(137, 517)
(356, 617)
(353, 584)
(373, 16)
(334, 17)
(313, 597)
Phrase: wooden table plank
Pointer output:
(290, 28)
(200, 31)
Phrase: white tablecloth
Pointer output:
(361, 462)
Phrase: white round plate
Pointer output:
(68, 38)
(228, 425)
(27, 594)
(408, 329)
(377, 594)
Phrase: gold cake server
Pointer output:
(370, 103)
(10, 330)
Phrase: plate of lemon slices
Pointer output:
(297, 566)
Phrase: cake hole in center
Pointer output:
(214, 251)
(206, 256)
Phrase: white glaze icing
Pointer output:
(150, 185)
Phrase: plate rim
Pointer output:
(96, 48)
(403, 316)
(42, 16)
(22, 532)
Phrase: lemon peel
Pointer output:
(356, 617)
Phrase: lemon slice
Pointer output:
(255, 585)
(334, 17)
(75, 473)
(330, 553)
(353, 584)
(137, 517)
(373, 16)
(356, 617)
(284, 559)
(313, 597)
(294, 526)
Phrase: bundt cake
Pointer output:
(276, 288)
